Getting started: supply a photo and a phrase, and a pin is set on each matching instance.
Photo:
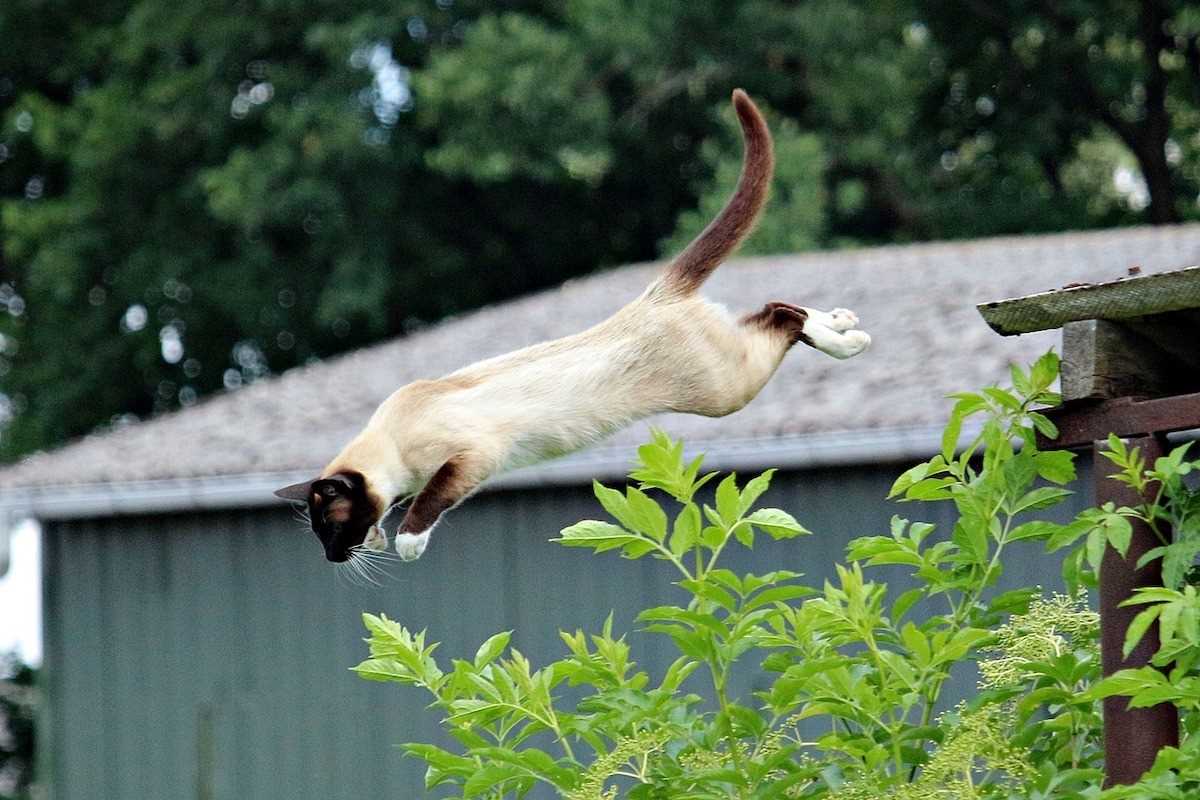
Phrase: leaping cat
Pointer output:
(668, 350)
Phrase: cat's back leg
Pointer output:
(831, 332)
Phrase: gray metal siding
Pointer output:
(205, 656)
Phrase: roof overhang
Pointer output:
(214, 493)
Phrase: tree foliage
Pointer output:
(18, 709)
(197, 194)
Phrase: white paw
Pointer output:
(843, 319)
(376, 539)
(410, 546)
(852, 343)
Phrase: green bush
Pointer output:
(855, 706)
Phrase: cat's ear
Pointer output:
(297, 491)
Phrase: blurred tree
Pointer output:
(797, 217)
(1035, 80)
(197, 194)
(17, 711)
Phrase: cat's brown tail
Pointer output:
(692, 267)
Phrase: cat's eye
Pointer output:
(329, 491)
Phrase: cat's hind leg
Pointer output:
(831, 332)
(839, 319)
(839, 344)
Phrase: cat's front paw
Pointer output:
(376, 539)
(852, 343)
(410, 546)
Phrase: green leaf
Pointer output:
(1043, 372)
(1119, 531)
(677, 673)
(1004, 398)
(1096, 542)
(712, 536)
(908, 478)
(1056, 466)
(777, 524)
(1042, 497)
(686, 531)
(754, 490)
(1152, 594)
(711, 592)
(615, 504)
(930, 489)
(1044, 425)
(970, 534)
(384, 669)
(648, 515)
(1020, 380)
(728, 499)
(1034, 530)
(777, 594)
(1068, 535)
(489, 776)
(917, 644)
(905, 602)
(1019, 472)
(601, 536)
(950, 436)
(489, 650)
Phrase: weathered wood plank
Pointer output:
(1122, 299)
(1102, 360)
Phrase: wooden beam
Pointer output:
(1084, 422)
(1103, 360)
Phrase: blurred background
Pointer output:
(199, 195)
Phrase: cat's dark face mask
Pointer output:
(341, 508)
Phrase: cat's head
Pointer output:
(342, 509)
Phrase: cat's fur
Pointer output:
(668, 350)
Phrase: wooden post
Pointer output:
(1130, 367)
(1132, 736)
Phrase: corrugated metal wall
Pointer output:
(205, 656)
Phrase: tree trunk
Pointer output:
(1157, 172)
(1152, 141)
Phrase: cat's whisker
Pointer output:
(361, 566)
(351, 573)
(373, 562)
(355, 569)
(378, 573)
(343, 573)
(376, 555)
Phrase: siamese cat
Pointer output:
(669, 350)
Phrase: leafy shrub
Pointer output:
(855, 707)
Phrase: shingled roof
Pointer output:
(917, 301)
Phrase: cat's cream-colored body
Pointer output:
(557, 397)
(687, 355)
(668, 350)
